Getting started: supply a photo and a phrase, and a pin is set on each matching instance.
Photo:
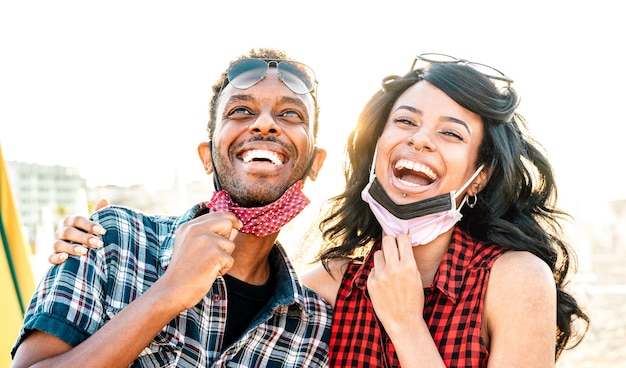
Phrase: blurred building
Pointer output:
(618, 242)
(174, 200)
(45, 194)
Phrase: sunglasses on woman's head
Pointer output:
(486, 70)
(298, 77)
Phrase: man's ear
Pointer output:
(318, 162)
(204, 151)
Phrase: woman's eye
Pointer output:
(405, 121)
(453, 134)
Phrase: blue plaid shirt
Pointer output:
(76, 298)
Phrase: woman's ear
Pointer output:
(204, 152)
(481, 180)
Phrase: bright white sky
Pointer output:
(119, 89)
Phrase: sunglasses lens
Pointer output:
(438, 58)
(423, 60)
(489, 71)
(245, 73)
(297, 76)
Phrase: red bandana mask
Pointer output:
(261, 221)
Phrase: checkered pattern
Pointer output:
(452, 310)
(76, 298)
(265, 220)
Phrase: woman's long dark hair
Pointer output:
(515, 210)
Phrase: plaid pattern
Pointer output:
(76, 298)
(452, 310)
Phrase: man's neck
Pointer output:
(251, 258)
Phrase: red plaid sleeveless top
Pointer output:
(453, 310)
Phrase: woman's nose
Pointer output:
(421, 140)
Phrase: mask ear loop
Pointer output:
(373, 165)
(216, 179)
(456, 194)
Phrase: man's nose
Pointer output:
(265, 124)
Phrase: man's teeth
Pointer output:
(252, 155)
(417, 167)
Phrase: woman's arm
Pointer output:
(519, 314)
(324, 283)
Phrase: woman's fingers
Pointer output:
(57, 258)
(103, 202)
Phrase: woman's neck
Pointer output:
(428, 256)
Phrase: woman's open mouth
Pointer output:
(412, 173)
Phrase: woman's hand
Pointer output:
(397, 294)
(395, 284)
(75, 235)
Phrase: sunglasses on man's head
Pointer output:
(486, 70)
(298, 77)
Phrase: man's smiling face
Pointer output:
(263, 140)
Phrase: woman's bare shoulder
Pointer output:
(324, 281)
(520, 310)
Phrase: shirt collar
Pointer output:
(452, 270)
(289, 290)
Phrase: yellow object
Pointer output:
(17, 281)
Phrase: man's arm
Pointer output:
(201, 252)
(116, 344)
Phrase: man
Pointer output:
(211, 287)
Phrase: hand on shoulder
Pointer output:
(75, 234)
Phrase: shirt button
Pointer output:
(216, 297)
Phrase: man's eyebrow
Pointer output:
(293, 100)
(445, 118)
(241, 97)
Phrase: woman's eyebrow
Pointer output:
(457, 121)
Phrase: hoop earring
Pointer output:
(471, 203)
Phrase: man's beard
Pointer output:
(256, 193)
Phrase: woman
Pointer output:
(445, 247)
